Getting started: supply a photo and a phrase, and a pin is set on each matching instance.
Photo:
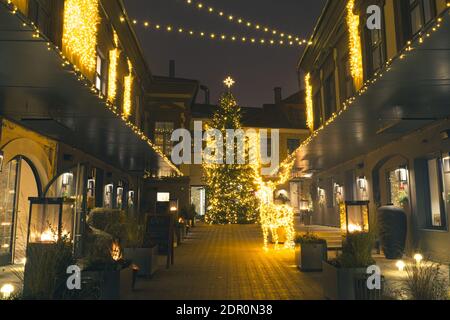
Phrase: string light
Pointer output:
(293, 42)
(112, 73)
(86, 82)
(309, 103)
(401, 55)
(81, 19)
(127, 95)
(355, 51)
(242, 21)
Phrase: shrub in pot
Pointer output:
(103, 261)
(45, 271)
(310, 251)
(392, 231)
(142, 253)
(339, 275)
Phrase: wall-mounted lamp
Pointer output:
(66, 177)
(362, 183)
(446, 163)
(402, 174)
(2, 157)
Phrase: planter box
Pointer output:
(114, 284)
(309, 257)
(339, 283)
(180, 231)
(145, 258)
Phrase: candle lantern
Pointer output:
(356, 216)
(402, 174)
(173, 206)
(50, 219)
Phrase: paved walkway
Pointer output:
(228, 262)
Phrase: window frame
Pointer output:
(102, 76)
(441, 188)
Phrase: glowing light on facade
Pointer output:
(81, 19)
(355, 51)
(127, 95)
(112, 73)
(309, 103)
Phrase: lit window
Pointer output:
(100, 74)
(163, 134)
(436, 205)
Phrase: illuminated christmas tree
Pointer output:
(231, 188)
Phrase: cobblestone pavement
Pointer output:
(228, 262)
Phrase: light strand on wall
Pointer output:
(219, 37)
(309, 102)
(128, 88)
(112, 73)
(86, 82)
(244, 22)
(355, 51)
(401, 56)
(81, 19)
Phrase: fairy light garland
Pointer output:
(220, 37)
(355, 51)
(401, 56)
(112, 73)
(244, 22)
(127, 94)
(309, 102)
(81, 19)
(87, 82)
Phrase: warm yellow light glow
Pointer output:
(116, 252)
(127, 95)
(229, 82)
(22, 5)
(112, 73)
(81, 19)
(355, 51)
(48, 236)
(309, 103)
(6, 290)
(400, 265)
(418, 257)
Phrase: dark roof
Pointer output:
(269, 116)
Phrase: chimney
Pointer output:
(172, 68)
(205, 89)
(278, 95)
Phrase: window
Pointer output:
(421, 12)
(100, 74)
(163, 133)
(347, 78)
(163, 197)
(266, 147)
(437, 216)
(293, 145)
(330, 97)
(377, 52)
(318, 119)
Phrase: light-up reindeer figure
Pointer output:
(273, 217)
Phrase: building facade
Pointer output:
(378, 111)
(73, 87)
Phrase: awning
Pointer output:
(39, 93)
(413, 93)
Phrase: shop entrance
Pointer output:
(198, 199)
(18, 182)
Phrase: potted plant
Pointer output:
(339, 275)
(144, 254)
(310, 251)
(392, 231)
(103, 260)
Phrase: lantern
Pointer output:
(446, 163)
(50, 219)
(304, 205)
(2, 157)
(362, 183)
(173, 206)
(402, 174)
(356, 216)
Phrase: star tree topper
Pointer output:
(229, 82)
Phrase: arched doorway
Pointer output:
(18, 182)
